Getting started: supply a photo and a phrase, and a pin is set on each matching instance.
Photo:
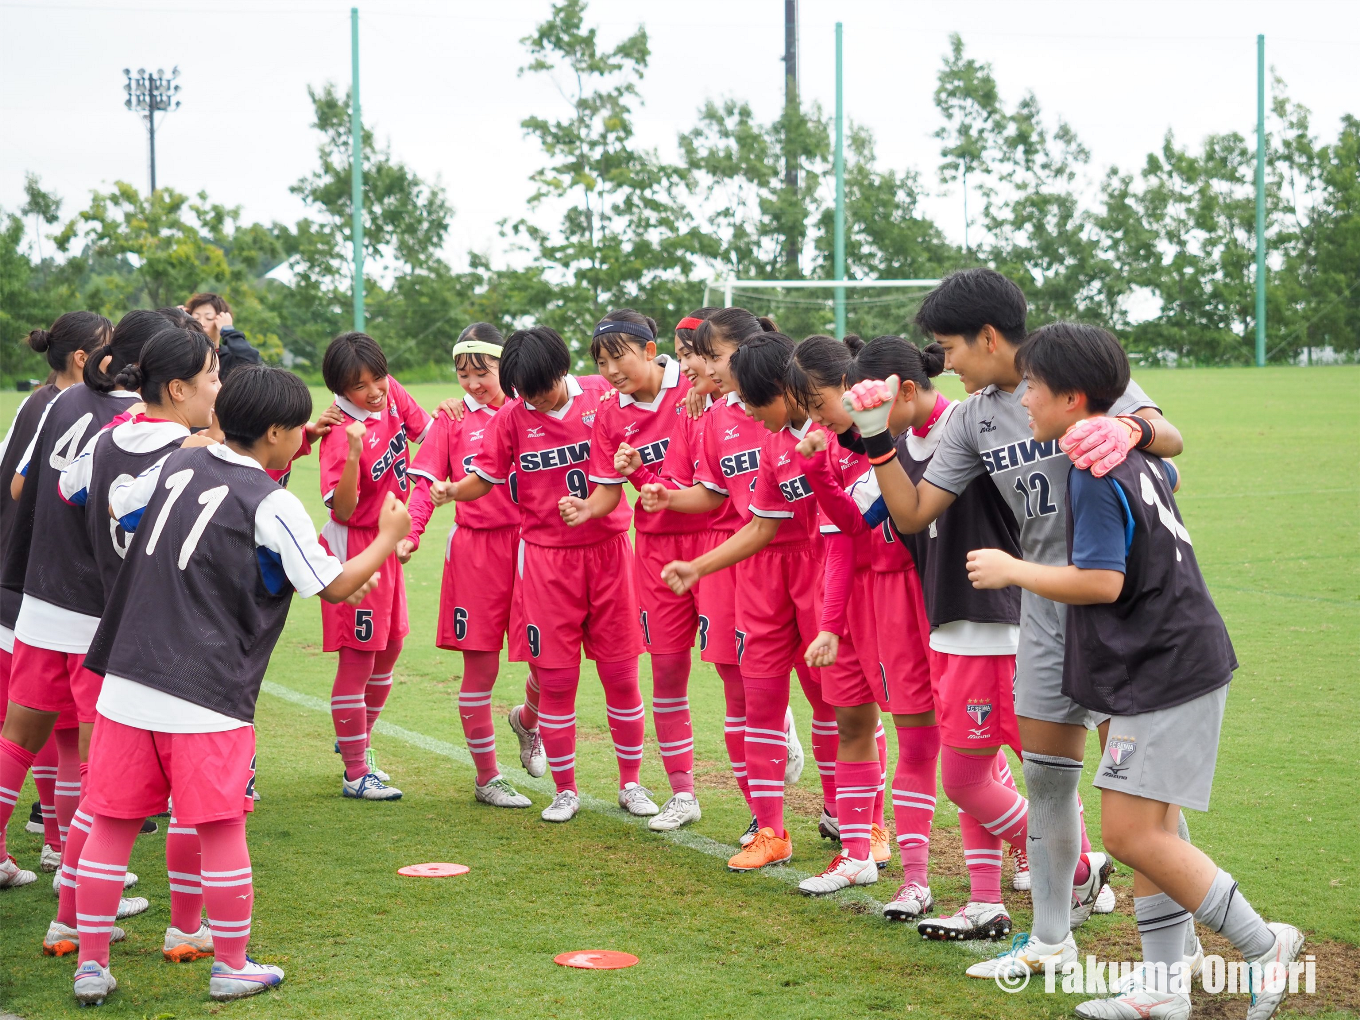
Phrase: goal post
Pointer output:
(802, 307)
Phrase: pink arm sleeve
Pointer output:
(837, 504)
(840, 569)
(421, 507)
(645, 476)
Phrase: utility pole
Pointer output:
(839, 264)
(791, 104)
(356, 128)
(148, 95)
(1260, 201)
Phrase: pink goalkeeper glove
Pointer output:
(1099, 444)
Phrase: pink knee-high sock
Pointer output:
(969, 781)
(856, 787)
(627, 717)
(982, 855)
(1083, 862)
(1001, 771)
(379, 685)
(99, 883)
(528, 715)
(826, 737)
(45, 779)
(15, 761)
(349, 711)
(670, 717)
(76, 838)
(881, 739)
(734, 723)
(767, 749)
(70, 775)
(228, 888)
(184, 866)
(913, 797)
(474, 709)
(557, 722)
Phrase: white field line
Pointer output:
(680, 837)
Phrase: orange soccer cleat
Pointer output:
(880, 847)
(764, 850)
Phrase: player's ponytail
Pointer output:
(123, 348)
(728, 326)
(621, 329)
(73, 331)
(820, 362)
(892, 355)
(171, 354)
(760, 367)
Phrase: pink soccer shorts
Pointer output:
(376, 621)
(210, 775)
(669, 621)
(975, 697)
(903, 639)
(779, 607)
(478, 588)
(50, 681)
(717, 603)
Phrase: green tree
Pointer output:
(966, 96)
(43, 206)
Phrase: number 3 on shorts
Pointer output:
(703, 633)
(535, 640)
(363, 624)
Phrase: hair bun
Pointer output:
(767, 324)
(39, 340)
(130, 378)
(853, 341)
(932, 359)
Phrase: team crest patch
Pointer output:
(978, 711)
(587, 417)
(1120, 749)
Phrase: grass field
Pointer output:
(1270, 497)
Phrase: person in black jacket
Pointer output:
(233, 349)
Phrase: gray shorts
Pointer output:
(1039, 666)
(1168, 755)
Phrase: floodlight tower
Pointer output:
(149, 94)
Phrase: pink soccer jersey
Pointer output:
(651, 429)
(447, 455)
(727, 458)
(383, 461)
(549, 454)
(782, 490)
(884, 550)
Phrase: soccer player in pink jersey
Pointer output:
(638, 435)
(360, 464)
(574, 585)
(479, 562)
(778, 556)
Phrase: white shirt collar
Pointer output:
(224, 452)
(145, 436)
(921, 447)
(354, 410)
(573, 391)
(799, 433)
(471, 404)
(734, 399)
(124, 393)
(669, 379)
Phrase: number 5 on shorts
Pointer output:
(363, 624)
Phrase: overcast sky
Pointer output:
(440, 83)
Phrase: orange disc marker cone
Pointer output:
(433, 870)
(596, 959)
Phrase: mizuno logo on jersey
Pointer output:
(394, 458)
(847, 460)
(796, 488)
(536, 432)
(562, 456)
(732, 432)
(740, 463)
(631, 429)
(653, 453)
(476, 437)
(987, 426)
(1005, 458)
(783, 459)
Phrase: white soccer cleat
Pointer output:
(793, 766)
(1020, 880)
(1266, 1000)
(680, 810)
(1194, 966)
(910, 902)
(1084, 894)
(563, 808)
(1026, 956)
(12, 876)
(499, 793)
(371, 762)
(93, 984)
(227, 983)
(50, 860)
(828, 826)
(129, 879)
(185, 947)
(35, 821)
(745, 838)
(368, 787)
(1138, 1004)
(131, 906)
(1105, 901)
(973, 920)
(637, 800)
(841, 873)
(531, 753)
(61, 940)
